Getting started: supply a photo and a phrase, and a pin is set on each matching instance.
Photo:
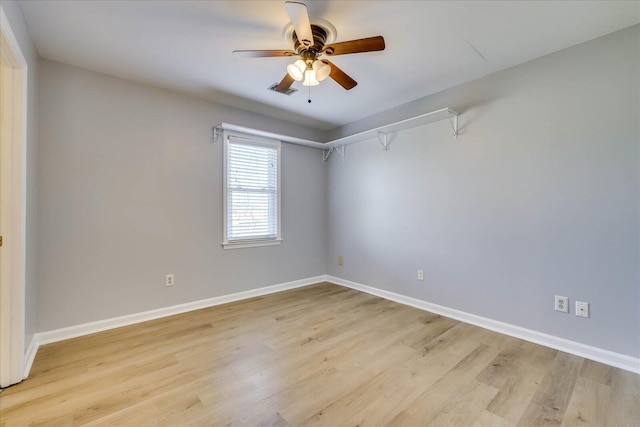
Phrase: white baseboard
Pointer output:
(593, 353)
(30, 355)
(618, 360)
(48, 337)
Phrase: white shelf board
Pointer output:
(272, 135)
(423, 119)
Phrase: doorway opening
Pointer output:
(13, 78)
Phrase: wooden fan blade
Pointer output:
(340, 76)
(285, 83)
(263, 53)
(300, 20)
(370, 44)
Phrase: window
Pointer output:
(251, 191)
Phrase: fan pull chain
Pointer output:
(309, 100)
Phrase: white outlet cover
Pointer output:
(561, 304)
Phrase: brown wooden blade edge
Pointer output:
(263, 53)
(285, 83)
(340, 76)
(369, 44)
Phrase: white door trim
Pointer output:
(13, 144)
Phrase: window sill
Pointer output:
(251, 244)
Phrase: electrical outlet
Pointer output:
(420, 274)
(562, 304)
(582, 309)
(168, 280)
(340, 260)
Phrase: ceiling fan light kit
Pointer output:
(321, 69)
(312, 39)
(310, 79)
(297, 70)
(311, 74)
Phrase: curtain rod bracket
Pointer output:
(217, 131)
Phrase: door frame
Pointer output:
(13, 157)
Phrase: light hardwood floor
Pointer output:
(319, 355)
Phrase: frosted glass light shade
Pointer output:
(322, 70)
(310, 78)
(296, 70)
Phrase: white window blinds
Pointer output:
(252, 196)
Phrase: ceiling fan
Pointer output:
(312, 40)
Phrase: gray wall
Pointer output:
(14, 14)
(538, 196)
(131, 190)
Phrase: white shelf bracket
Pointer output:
(327, 153)
(453, 121)
(384, 133)
(216, 133)
(383, 137)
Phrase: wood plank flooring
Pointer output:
(319, 355)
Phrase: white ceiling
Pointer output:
(430, 46)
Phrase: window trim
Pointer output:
(256, 141)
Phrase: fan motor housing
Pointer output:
(319, 40)
(323, 33)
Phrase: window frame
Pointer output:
(251, 140)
